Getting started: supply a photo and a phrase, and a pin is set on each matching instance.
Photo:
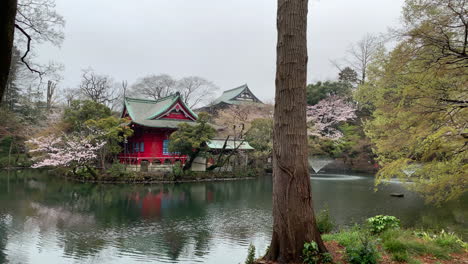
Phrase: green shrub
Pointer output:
(177, 170)
(250, 255)
(326, 258)
(310, 253)
(364, 253)
(16, 160)
(346, 238)
(84, 172)
(324, 221)
(400, 257)
(401, 241)
(380, 223)
(117, 169)
(394, 246)
(449, 241)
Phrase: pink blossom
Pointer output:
(327, 114)
(64, 150)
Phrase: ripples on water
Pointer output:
(49, 220)
(334, 177)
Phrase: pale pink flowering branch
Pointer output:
(327, 114)
(64, 151)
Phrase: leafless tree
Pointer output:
(98, 88)
(361, 54)
(120, 93)
(155, 86)
(71, 94)
(37, 21)
(50, 93)
(195, 90)
(26, 22)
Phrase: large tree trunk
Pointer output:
(293, 215)
(7, 30)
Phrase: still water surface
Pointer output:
(45, 219)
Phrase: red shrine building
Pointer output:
(153, 121)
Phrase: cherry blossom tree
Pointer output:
(64, 151)
(327, 114)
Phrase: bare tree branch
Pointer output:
(28, 48)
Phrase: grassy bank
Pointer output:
(380, 240)
(357, 245)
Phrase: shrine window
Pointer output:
(166, 147)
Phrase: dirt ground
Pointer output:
(338, 253)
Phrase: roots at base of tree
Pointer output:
(275, 255)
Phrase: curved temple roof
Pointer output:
(234, 96)
(149, 112)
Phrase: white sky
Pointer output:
(230, 42)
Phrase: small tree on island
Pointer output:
(190, 139)
(71, 151)
(113, 131)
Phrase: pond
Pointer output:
(46, 219)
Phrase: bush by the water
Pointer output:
(15, 158)
(324, 222)
(380, 223)
(405, 242)
(364, 252)
(84, 172)
(312, 255)
(250, 255)
(177, 170)
(117, 169)
(382, 234)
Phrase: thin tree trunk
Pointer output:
(7, 30)
(189, 162)
(293, 215)
(9, 153)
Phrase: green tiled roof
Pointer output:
(231, 144)
(229, 96)
(143, 111)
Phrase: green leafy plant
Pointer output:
(250, 255)
(310, 253)
(380, 223)
(326, 258)
(324, 221)
(447, 240)
(364, 253)
(177, 170)
(346, 238)
(191, 140)
(117, 169)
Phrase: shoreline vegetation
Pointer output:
(111, 176)
(379, 240)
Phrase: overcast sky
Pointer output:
(230, 42)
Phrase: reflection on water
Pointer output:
(46, 219)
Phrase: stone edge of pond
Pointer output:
(158, 178)
(158, 181)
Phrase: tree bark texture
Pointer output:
(7, 30)
(293, 215)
